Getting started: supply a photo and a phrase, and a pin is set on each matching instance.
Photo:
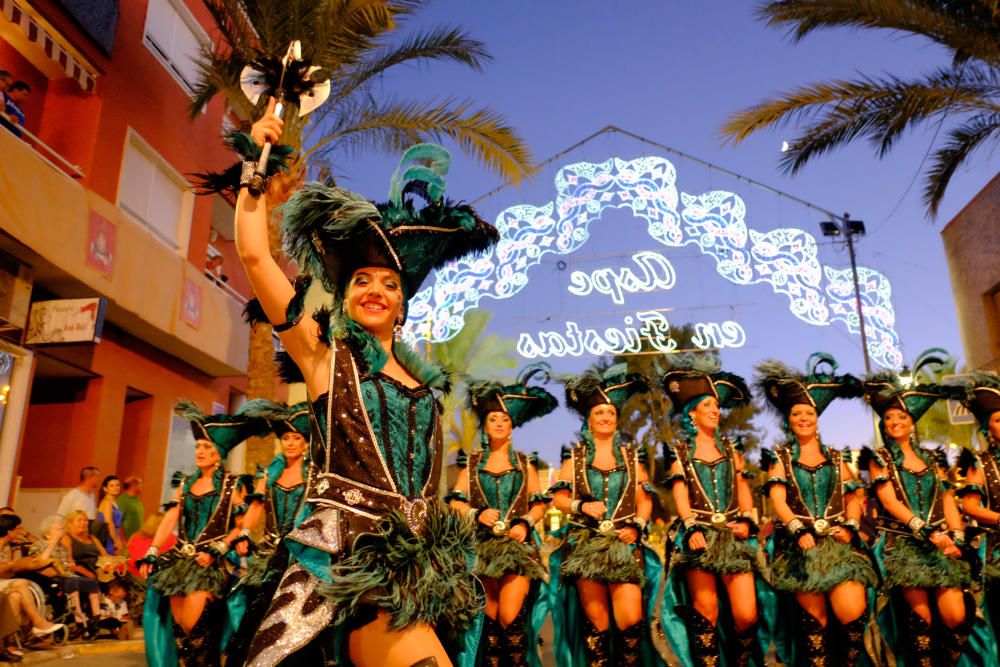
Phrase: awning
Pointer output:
(52, 47)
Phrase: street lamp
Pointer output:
(849, 229)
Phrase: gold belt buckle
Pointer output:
(500, 528)
(189, 549)
(718, 519)
(607, 527)
(821, 526)
(416, 513)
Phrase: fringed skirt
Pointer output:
(724, 555)
(416, 578)
(181, 575)
(819, 569)
(497, 557)
(603, 558)
(913, 563)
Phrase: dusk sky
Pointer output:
(672, 72)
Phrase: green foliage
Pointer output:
(935, 425)
(881, 109)
(356, 42)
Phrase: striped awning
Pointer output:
(38, 35)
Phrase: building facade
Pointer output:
(971, 240)
(96, 204)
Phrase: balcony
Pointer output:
(80, 244)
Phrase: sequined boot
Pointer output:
(629, 653)
(490, 643)
(595, 644)
(201, 645)
(702, 635)
(951, 641)
(918, 639)
(742, 646)
(852, 639)
(815, 644)
(180, 641)
(517, 639)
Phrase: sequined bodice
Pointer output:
(716, 478)
(815, 485)
(608, 485)
(286, 502)
(920, 489)
(500, 488)
(197, 510)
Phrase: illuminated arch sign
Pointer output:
(785, 258)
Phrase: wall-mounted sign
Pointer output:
(191, 303)
(66, 321)
(101, 238)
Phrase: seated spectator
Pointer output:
(83, 549)
(109, 516)
(13, 97)
(139, 544)
(61, 570)
(18, 592)
(114, 610)
(21, 541)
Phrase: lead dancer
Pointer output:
(381, 560)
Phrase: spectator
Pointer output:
(51, 547)
(114, 610)
(6, 78)
(84, 496)
(83, 548)
(132, 510)
(13, 97)
(109, 516)
(17, 590)
(139, 543)
(21, 541)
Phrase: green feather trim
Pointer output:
(416, 579)
(189, 410)
(724, 555)
(912, 563)
(821, 568)
(266, 409)
(500, 556)
(427, 373)
(180, 576)
(603, 558)
(206, 183)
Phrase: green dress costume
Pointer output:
(592, 549)
(496, 554)
(817, 498)
(907, 557)
(378, 539)
(203, 521)
(712, 494)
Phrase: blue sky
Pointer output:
(672, 71)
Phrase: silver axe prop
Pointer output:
(294, 85)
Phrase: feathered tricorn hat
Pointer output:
(331, 232)
(689, 378)
(983, 396)
(519, 400)
(222, 430)
(785, 388)
(612, 387)
(884, 390)
(281, 417)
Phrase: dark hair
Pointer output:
(104, 484)
(117, 583)
(19, 85)
(8, 522)
(88, 471)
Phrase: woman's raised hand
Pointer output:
(268, 127)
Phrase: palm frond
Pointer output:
(481, 133)
(962, 142)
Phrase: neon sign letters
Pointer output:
(657, 273)
(784, 259)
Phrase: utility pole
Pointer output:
(849, 228)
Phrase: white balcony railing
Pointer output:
(46, 152)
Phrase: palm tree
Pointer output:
(355, 43)
(965, 93)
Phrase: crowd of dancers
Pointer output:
(347, 550)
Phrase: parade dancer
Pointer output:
(816, 554)
(980, 492)
(922, 532)
(381, 561)
(278, 501)
(188, 583)
(499, 488)
(711, 488)
(601, 489)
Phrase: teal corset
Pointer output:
(920, 489)
(286, 502)
(197, 510)
(716, 479)
(608, 486)
(501, 488)
(816, 485)
(402, 420)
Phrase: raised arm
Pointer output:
(972, 498)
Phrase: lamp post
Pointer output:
(849, 229)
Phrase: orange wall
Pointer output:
(62, 438)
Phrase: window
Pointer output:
(175, 38)
(153, 193)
